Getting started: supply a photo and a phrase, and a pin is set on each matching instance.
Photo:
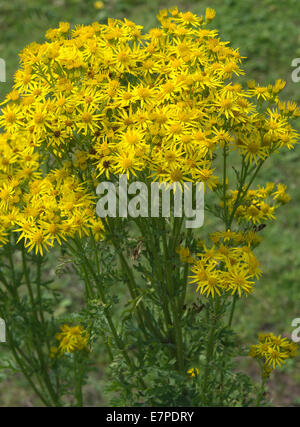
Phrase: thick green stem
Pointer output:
(232, 310)
(209, 357)
(78, 381)
(225, 183)
(261, 392)
(36, 339)
(174, 299)
(141, 310)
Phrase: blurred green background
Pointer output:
(268, 34)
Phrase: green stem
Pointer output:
(141, 310)
(24, 371)
(154, 250)
(261, 392)
(224, 182)
(118, 340)
(232, 310)
(78, 381)
(36, 339)
(209, 357)
(241, 192)
(176, 310)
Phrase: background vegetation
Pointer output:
(267, 33)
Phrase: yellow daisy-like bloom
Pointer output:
(98, 5)
(53, 352)
(185, 255)
(210, 14)
(72, 338)
(193, 372)
(209, 280)
(238, 280)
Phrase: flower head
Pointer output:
(72, 338)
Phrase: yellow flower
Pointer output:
(238, 281)
(53, 352)
(64, 27)
(72, 338)
(275, 357)
(208, 279)
(279, 86)
(98, 5)
(210, 14)
(193, 372)
(185, 255)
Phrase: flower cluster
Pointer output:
(258, 205)
(223, 269)
(71, 339)
(103, 100)
(273, 351)
(193, 372)
(42, 208)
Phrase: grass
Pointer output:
(267, 33)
